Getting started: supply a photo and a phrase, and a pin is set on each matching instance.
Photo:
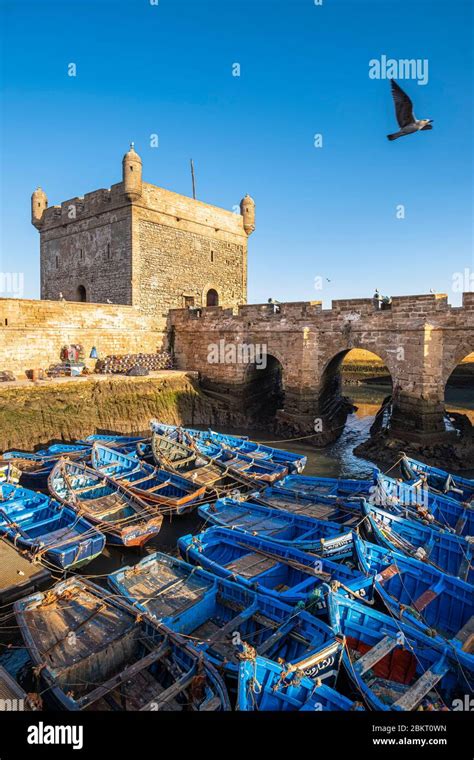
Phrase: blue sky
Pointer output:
(325, 212)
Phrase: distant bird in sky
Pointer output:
(407, 120)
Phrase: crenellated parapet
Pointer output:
(359, 312)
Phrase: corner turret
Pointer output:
(132, 174)
(247, 209)
(39, 203)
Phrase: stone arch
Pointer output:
(457, 391)
(335, 402)
(81, 294)
(389, 359)
(465, 349)
(264, 386)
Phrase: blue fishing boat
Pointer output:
(38, 524)
(198, 469)
(281, 572)
(293, 462)
(450, 553)
(173, 493)
(94, 651)
(422, 596)
(412, 501)
(227, 622)
(35, 467)
(118, 440)
(64, 449)
(178, 432)
(253, 469)
(440, 481)
(266, 685)
(393, 665)
(342, 487)
(345, 511)
(329, 539)
(119, 513)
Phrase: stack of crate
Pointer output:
(120, 364)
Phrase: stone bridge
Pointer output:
(421, 339)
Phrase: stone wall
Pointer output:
(32, 333)
(86, 243)
(183, 248)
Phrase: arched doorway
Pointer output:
(459, 395)
(263, 390)
(212, 298)
(81, 294)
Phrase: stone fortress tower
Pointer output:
(141, 245)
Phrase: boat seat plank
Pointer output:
(272, 640)
(158, 487)
(421, 687)
(127, 674)
(460, 523)
(465, 567)
(466, 636)
(143, 691)
(387, 573)
(167, 697)
(375, 654)
(232, 625)
(89, 488)
(425, 599)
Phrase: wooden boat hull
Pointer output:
(345, 512)
(36, 467)
(329, 539)
(243, 464)
(259, 451)
(122, 516)
(265, 685)
(45, 529)
(226, 621)
(421, 596)
(94, 652)
(281, 572)
(394, 666)
(441, 481)
(414, 502)
(154, 486)
(450, 553)
(198, 469)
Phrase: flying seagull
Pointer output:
(407, 120)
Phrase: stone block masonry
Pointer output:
(141, 245)
(33, 332)
(421, 339)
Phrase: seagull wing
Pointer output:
(403, 105)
